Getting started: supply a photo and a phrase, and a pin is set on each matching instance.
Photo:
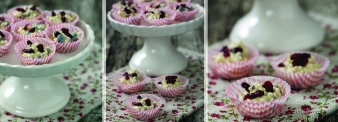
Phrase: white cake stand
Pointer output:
(34, 91)
(158, 56)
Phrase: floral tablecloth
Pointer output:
(302, 105)
(173, 109)
(85, 85)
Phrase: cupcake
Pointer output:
(35, 51)
(144, 106)
(5, 22)
(5, 41)
(258, 96)
(129, 82)
(25, 12)
(60, 17)
(159, 17)
(66, 37)
(28, 28)
(184, 12)
(177, 1)
(171, 85)
(124, 3)
(300, 69)
(233, 61)
(155, 5)
(128, 15)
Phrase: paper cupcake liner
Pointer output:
(301, 80)
(141, 3)
(129, 88)
(64, 47)
(134, 20)
(11, 22)
(171, 92)
(168, 1)
(143, 114)
(9, 38)
(146, 6)
(34, 61)
(15, 27)
(10, 11)
(49, 13)
(257, 109)
(184, 16)
(164, 21)
(232, 70)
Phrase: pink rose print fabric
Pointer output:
(306, 105)
(173, 109)
(85, 85)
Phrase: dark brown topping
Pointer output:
(225, 51)
(32, 30)
(66, 32)
(254, 95)
(162, 15)
(148, 102)
(56, 33)
(137, 104)
(63, 13)
(237, 49)
(63, 19)
(28, 50)
(127, 10)
(300, 59)
(126, 76)
(268, 86)
(246, 86)
(40, 48)
(133, 75)
(2, 18)
(170, 79)
(159, 82)
(33, 8)
(127, 2)
(281, 65)
(26, 27)
(139, 97)
(53, 13)
(1, 34)
(21, 10)
(29, 42)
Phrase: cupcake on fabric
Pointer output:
(235, 52)
(171, 85)
(171, 82)
(132, 76)
(258, 92)
(300, 63)
(144, 103)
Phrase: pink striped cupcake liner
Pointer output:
(184, 16)
(49, 13)
(129, 88)
(257, 109)
(34, 61)
(141, 2)
(10, 13)
(171, 92)
(163, 21)
(134, 20)
(11, 22)
(169, 1)
(18, 37)
(64, 47)
(151, 5)
(9, 38)
(232, 70)
(144, 114)
(301, 80)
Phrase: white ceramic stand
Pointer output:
(277, 26)
(158, 56)
(35, 91)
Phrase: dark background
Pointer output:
(89, 11)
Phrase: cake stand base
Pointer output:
(33, 97)
(158, 57)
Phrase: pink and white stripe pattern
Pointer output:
(162, 21)
(10, 13)
(129, 88)
(18, 37)
(134, 20)
(11, 22)
(49, 13)
(301, 80)
(65, 47)
(9, 38)
(258, 109)
(184, 16)
(232, 70)
(171, 92)
(144, 114)
(35, 61)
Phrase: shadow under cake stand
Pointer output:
(34, 91)
(158, 56)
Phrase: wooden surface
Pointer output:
(223, 14)
(120, 48)
(88, 10)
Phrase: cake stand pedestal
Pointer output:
(36, 91)
(277, 26)
(158, 56)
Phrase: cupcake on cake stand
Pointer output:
(35, 91)
(158, 56)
